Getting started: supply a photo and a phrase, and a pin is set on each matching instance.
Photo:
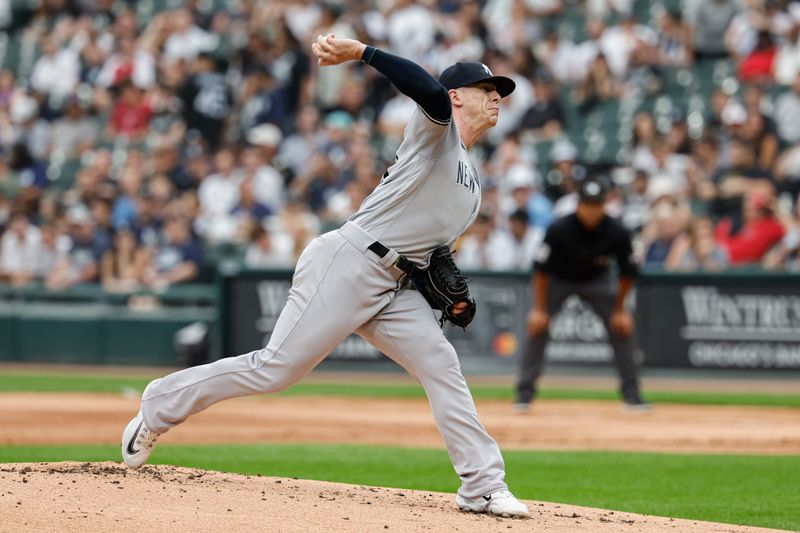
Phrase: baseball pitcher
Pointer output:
(380, 275)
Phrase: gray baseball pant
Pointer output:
(340, 287)
(601, 295)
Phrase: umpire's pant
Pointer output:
(601, 295)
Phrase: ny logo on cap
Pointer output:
(489, 72)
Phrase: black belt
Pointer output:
(402, 263)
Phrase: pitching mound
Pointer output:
(108, 497)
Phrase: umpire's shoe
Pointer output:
(500, 503)
(137, 442)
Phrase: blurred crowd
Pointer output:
(143, 142)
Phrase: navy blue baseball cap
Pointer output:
(466, 73)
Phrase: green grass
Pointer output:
(736, 489)
(12, 382)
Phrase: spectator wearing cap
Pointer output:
(81, 264)
(760, 231)
(258, 161)
(520, 182)
(575, 259)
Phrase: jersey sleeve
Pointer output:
(427, 137)
(413, 81)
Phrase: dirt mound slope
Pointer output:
(107, 496)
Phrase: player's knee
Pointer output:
(272, 375)
(439, 359)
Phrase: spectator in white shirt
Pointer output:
(411, 29)
(257, 162)
(218, 195)
(526, 240)
(129, 62)
(486, 247)
(625, 41)
(20, 249)
(269, 249)
(187, 40)
(787, 60)
(57, 71)
(787, 113)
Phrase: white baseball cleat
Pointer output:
(500, 503)
(137, 442)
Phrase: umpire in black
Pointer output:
(574, 259)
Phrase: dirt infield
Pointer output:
(86, 497)
(106, 497)
(51, 418)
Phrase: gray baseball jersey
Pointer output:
(430, 196)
